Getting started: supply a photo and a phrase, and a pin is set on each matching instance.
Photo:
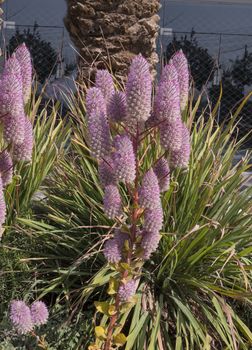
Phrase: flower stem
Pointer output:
(134, 219)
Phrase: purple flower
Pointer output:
(112, 202)
(23, 151)
(104, 82)
(2, 204)
(117, 107)
(149, 243)
(14, 128)
(127, 291)
(153, 219)
(167, 100)
(180, 62)
(180, 158)
(24, 58)
(114, 246)
(106, 172)
(139, 90)
(124, 159)
(6, 167)
(39, 313)
(20, 316)
(99, 134)
(171, 134)
(95, 102)
(149, 193)
(11, 94)
(162, 171)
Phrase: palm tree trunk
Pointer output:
(108, 33)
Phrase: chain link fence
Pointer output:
(40, 25)
(219, 49)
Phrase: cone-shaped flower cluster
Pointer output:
(138, 90)
(6, 167)
(24, 318)
(149, 193)
(127, 290)
(162, 172)
(167, 100)
(11, 94)
(95, 102)
(104, 82)
(149, 199)
(124, 159)
(20, 316)
(171, 135)
(97, 124)
(23, 151)
(112, 202)
(180, 63)
(106, 172)
(99, 135)
(113, 248)
(117, 107)
(2, 204)
(180, 158)
(149, 244)
(170, 100)
(39, 313)
(11, 101)
(153, 219)
(15, 90)
(24, 58)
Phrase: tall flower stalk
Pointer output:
(17, 136)
(119, 133)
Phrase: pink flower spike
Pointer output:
(11, 94)
(127, 290)
(162, 172)
(6, 167)
(112, 202)
(117, 107)
(124, 159)
(39, 313)
(139, 90)
(23, 151)
(167, 100)
(24, 58)
(20, 316)
(181, 157)
(104, 82)
(180, 62)
(2, 205)
(171, 134)
(149, 192)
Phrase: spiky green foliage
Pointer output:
(50, 141)
(202, 267)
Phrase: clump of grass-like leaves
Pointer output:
(199, 277)
(50, 139)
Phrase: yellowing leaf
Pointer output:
(125, 266)
(125, 307)
(102, 306)
(93, 346)
(111, 310)
(120, 339)
(113, 286)
(100, 332)
(126, 245)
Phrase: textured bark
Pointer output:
(108, 33)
